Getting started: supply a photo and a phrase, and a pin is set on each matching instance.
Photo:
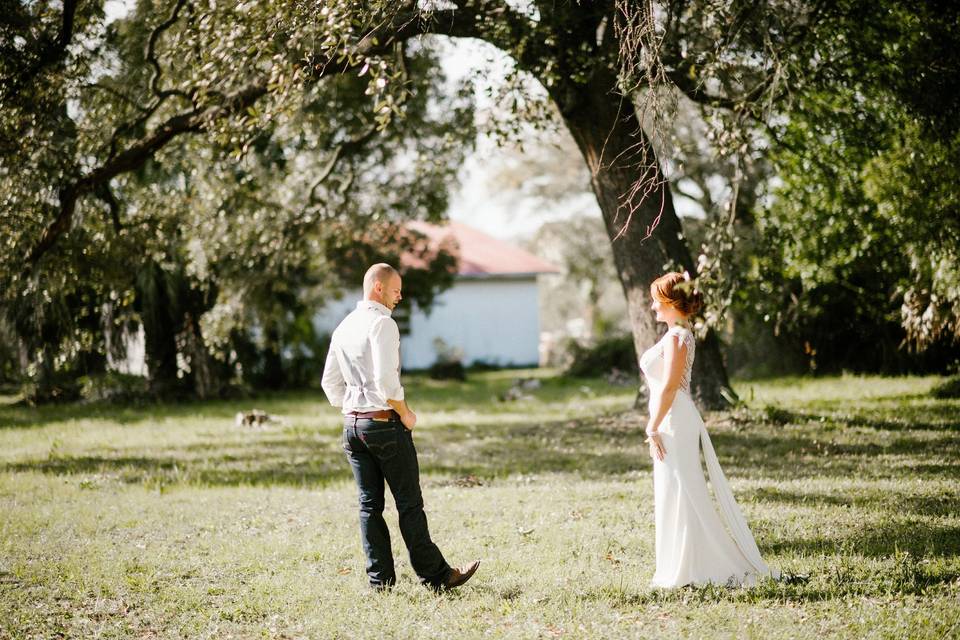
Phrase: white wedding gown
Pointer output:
(695, 544)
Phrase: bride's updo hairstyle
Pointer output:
(677, 290)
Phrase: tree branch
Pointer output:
(469, 20)
(680, 75)
(104, 192)
(99, 86)
(52, 52)
(680, 69)
(349, 147)
(151, 54)
(134, 156)
(481, 19)
(66, 31)
(492, 21)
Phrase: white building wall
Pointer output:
(327, 319)
(496, 321)
(135, 362)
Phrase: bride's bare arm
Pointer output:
(674, 362)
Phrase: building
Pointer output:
(490, 315)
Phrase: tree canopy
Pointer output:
(863, 221)
(213, 171)
(183, 167)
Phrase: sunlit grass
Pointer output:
(170, 521)
(847, 389)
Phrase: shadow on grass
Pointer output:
(878, 541)
(930, 415)
(603, 446)
(266, 459)
(481, 391)
(877, 501)
(905, 577)
(774, 454)
(311, 462)
(22, 416)
(765, 447)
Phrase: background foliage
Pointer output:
(224, 242)
(212, 173)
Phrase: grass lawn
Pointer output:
(169, 521)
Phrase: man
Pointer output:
(362, 375)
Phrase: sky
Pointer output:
(477, 202)
(506, 215)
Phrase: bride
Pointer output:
(693, 546)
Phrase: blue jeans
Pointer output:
(378, 451)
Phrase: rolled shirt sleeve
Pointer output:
(385, 348)
(333, 384)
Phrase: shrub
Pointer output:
(600, 358)
(448, 370)
(483, 365)
(449, 363)
(57, 387)
(947, 389)
(114, 387)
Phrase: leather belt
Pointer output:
(382, 414)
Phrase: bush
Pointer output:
(483, 365)
(600, 358)
(57, 387)
(449, 364)
(448, 370)
(948, 389)
(114, 387)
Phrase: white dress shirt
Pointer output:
(362, 370)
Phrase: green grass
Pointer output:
(169, 521)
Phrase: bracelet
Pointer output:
(651, 432)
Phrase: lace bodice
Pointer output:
(651, 362)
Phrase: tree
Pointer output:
(577, 245)
(603, 64)
(859, 256)
(169, 197)
(575, 51)
(546, 173)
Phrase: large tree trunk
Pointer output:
(273, 373)
(160, 325)
(169, 306)
(608, 133)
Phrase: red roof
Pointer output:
(482, 254)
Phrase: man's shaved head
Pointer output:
(380, 272)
